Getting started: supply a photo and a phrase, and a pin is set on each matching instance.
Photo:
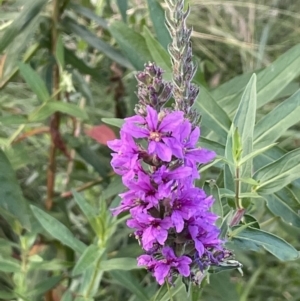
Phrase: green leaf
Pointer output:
(125, 264)
(213, 116)
(123, 5)
(278, 174)
(89, 14)
(256, 153)
(212, 145)
(279, 207)
(20, 23)
(85, 207)
(90, 255)
(49, 108)
(254, 239)
(98, 162)
(159, 54)
(34, 81)
(211, 188)
(11, 198)
(157, 16)
(96, 42)
(275, 123)
(45, 285)
(9, 265)
(244, 121)
(58, 230)
(126, 279)
(132, 44)
(59, 53)
(269, 81)
(117, 122)
(13, 119)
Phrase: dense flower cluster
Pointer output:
(157, 157)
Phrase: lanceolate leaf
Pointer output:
(278, 174)
(51, 107)
(11, 198)
(125, 264)
(132, 44)
(96, 42)
(254, 239)
(157, 16)
(123, 5)
(58, 230)
(117, 122)
(89, 14)
(274, 124)
(159, 54)
(280, 207)
(269, 81)
(90, 255)
(244, 121)
(28, 13)
(213, 116)
(34, 81)
(127, 280)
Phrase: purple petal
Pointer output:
(152, 118)
(200, 155)
(171, 121)
(168, 253)
(194, 137)
(160, 235)
(174, 145)
(177, 221)
(184, 269)
(163, 152)
(179, 173)
(135, 131)
(160, 272)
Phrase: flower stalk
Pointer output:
(158, 159)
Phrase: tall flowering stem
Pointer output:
(158, 159)
(184, 69)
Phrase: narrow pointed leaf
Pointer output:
(127, 280)
(58, 230)
(11, 198)
(132, 44)
(96, 42)
(280, 207)
(117, 122)
(125, 264)
(213, 116)
(159, 54)
(254, 239)
(34, 81)
(123, 5)
(157, 16)
(90, 255)
(278, 174)
(31, 10)
(275, 123)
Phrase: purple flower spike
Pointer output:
(157, 157)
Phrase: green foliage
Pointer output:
(61, 76)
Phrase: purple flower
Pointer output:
(193, 155)
(125, 161)
(166, 178)
(151, 230)
(164, 267)
(158, 130)
(184, 204)
(204, 233)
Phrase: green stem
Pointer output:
(168, 286)
(238, 202)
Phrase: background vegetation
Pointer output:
(68, 66)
